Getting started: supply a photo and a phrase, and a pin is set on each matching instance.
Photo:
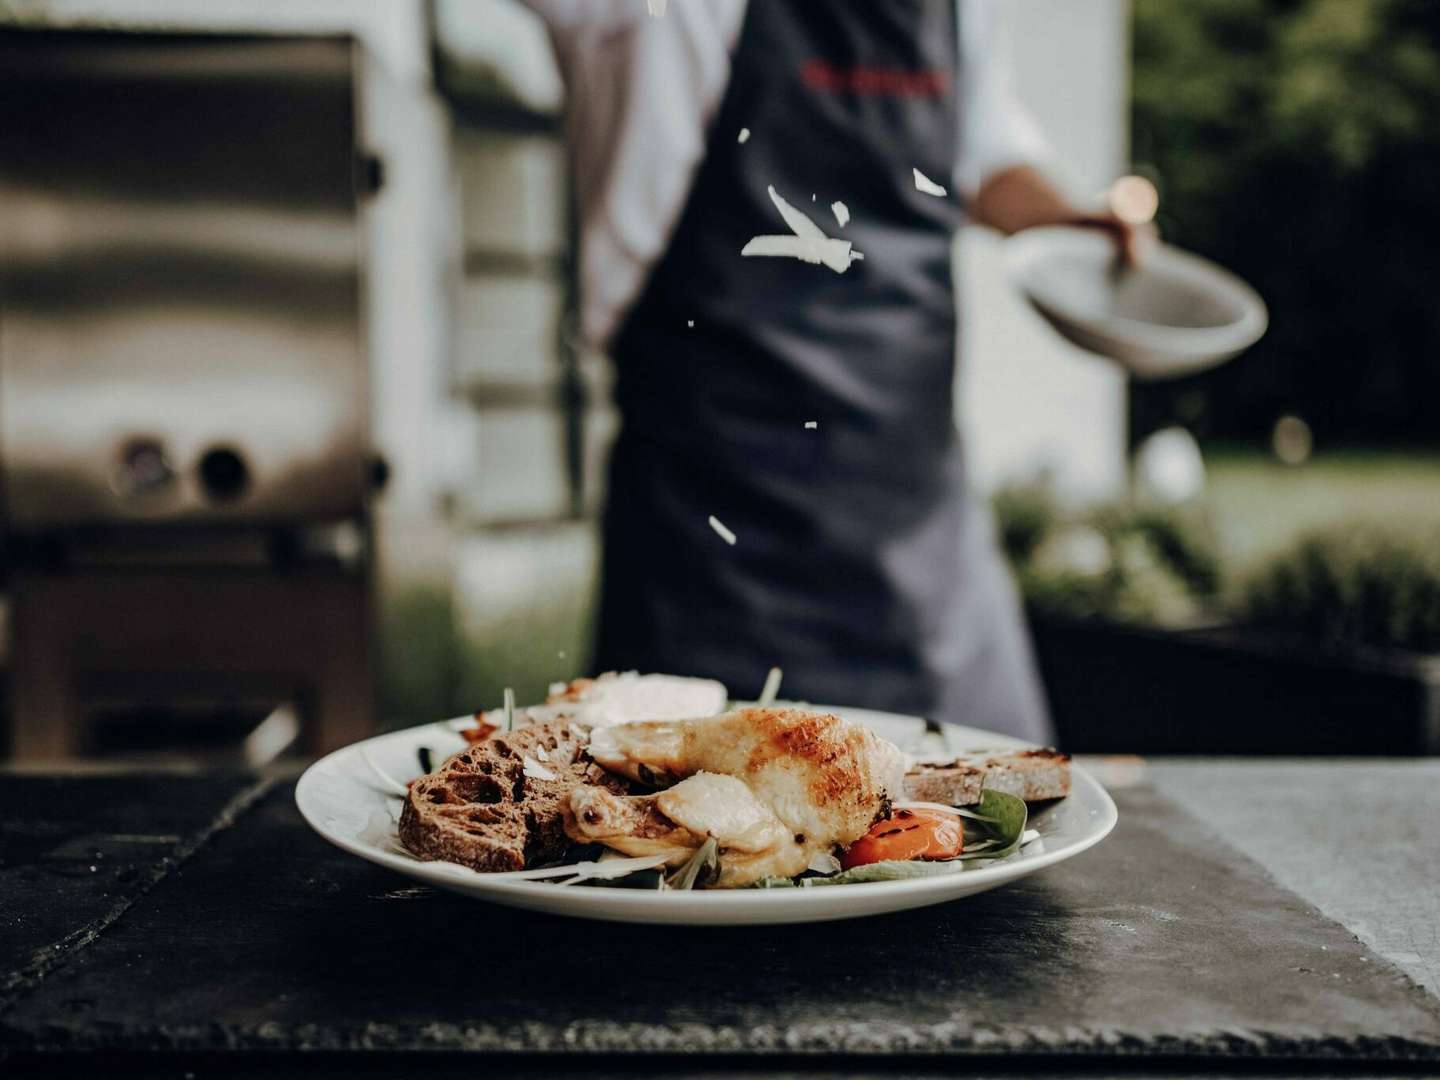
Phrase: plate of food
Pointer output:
(654, 799)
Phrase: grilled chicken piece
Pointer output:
(824, 780)
(754, 843)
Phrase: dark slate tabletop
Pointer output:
(169, 924)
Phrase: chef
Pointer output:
(788, 487)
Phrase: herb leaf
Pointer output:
(889, 870)
(1005, 818)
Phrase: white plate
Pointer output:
(1174, 315)
(344, 800)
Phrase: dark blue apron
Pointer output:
(860, 565)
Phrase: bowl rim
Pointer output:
(1025, 249)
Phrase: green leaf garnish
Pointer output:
(889, 870)
(1005, 817)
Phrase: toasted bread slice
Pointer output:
(1033, 775)
(500, 804)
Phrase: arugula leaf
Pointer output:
(1006, 817)
(889, 870)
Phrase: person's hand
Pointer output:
(1132, 241)
(1021, 198)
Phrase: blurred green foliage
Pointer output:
(1124, 561)
(1341, 586)
(1298, 142)
(1344, 587)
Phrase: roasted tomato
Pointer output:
(920, 833)
(480, 732)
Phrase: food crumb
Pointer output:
(744, 135)
(812, 424)
(690, 323)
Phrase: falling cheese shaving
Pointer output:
(655, 7)
(812, 424)
(690, 323)
(925, 184)
(744, 135)
(841, 212)
(835, 254)
(721, 531)
(808, 244)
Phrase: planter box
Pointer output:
(1231, 690)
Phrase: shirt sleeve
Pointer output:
(997, 131)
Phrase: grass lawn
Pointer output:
(1259, 504)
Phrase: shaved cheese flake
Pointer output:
(822, 862)
(535, 771)
(655, 7)
(604, 868)
(836, 254)
(916, 804)
(799, 222)
(812, 424)
(771, 688)
(721, 531)
(809, 244)
(841, 212)
(389, 784)
(744, 136)
(925, 184)
(690, 323)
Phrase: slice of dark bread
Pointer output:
(501, 804)
(1034, 775)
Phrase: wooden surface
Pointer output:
(247, 943)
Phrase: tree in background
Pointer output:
(1298, 142)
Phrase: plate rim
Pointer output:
(473, 883)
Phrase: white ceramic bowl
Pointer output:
(1175, 314)
(344, 800)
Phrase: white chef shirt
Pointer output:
(641, 94)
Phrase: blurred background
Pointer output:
(297, 442)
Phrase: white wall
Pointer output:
(1030, 402)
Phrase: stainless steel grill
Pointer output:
(182, 378)
(179, 280)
